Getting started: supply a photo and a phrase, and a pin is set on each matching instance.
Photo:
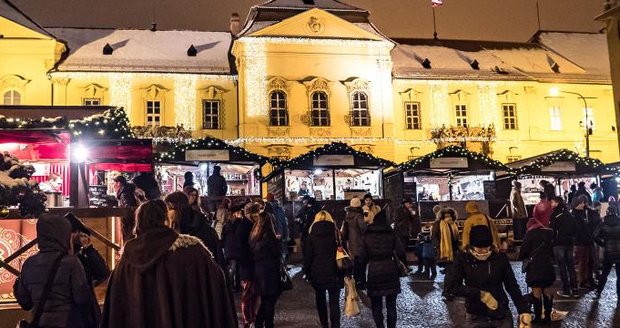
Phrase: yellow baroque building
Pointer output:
(298, 75)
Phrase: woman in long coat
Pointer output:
(321, 270)
(540, 276)
(353, 230)
(266, 252)
(165, 279)
(382, 248)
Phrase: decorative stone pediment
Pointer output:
(94, 90)
(508, 96)
(367, 148)
(155, 91)
(357, 131)
(282, 151)
(278, 131)
(357, 84)
(320, 131)
(212, 92)
(278, 83)
(410, 94)
(317, 84)
(16, 82)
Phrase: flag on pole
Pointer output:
(437, 3)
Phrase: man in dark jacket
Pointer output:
(582, 191)
(564, 227)
(607, 235)
(307, 219)
(586, 221)
(216, 183)
(70, 289)
(406, 222)
(487, 273)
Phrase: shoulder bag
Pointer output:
(343, 260)
(46, 291)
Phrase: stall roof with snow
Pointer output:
(207, 149)
(559, 163)
(451, 160)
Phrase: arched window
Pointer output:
(320, 109)
(359, 114)
(278, 113)
(12, 97)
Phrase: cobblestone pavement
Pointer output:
(420, 305)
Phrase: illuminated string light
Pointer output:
(185, 101)
(453, 151)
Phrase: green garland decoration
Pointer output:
(453, 151)
(205, 143)
(334, 148)
(563, 155)
(111, 124)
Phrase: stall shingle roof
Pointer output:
(145, 50)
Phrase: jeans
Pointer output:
(334, 306)
(584, 273)
(249, 298)
(566, 265)
(266, 312)
(606, 269)
(481, 321)
(377, 310)
(519, 228)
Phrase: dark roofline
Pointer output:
(129, 29)
(465, 45)
(350, 7)
(28, 18)
(608, 13)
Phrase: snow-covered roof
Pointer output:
(451, 59)
(14, 14)
(588, 50)
(145, 50)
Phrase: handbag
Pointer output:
(351, 299)
(286, 283)
(46, 291)
(343, 260)
(525, 263)
(403, 270)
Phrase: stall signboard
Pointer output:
(334, 160)
(207, 155)
(449, 163)
(560, 166)
(276, 187)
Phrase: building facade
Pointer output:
(295, 76)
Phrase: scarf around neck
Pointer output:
(447, 231)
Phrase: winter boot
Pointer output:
(547, 304)
(538, 309)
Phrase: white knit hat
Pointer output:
(355, 202)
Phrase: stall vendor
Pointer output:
(303, 190)
(52, 184)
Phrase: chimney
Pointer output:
(235, 24)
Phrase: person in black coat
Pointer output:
(607, 235)
(321, 270)
(381, 250)
(564, 228)
(249, 291)
(586, 220)
(538, 246)
(266, 252)
(488, 275)
(232, 247)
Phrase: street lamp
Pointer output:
(555, 92)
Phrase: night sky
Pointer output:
(508, 20)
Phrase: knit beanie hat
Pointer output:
(480, 236)
(355, 202)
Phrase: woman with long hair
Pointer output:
(166, 279)
(445, 235)
(537, 247)
(186, 220)
(222, 216)
(266, 253)
(382, 250)
(193, 197)
(321, 270)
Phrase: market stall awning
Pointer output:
(562, 162)
(207, 149)
(452, 159)
(127, 155)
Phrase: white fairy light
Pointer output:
(185, 101)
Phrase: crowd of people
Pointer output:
(181, 265)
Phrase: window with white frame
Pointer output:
(360, 116)
(153, 113)
(91, 101)
(211, 114)
(278, 112)
(509, 112)
(556, 118)
(12, 97)
(461, 115)
(412, 115)
(319, 113)
(589, 118)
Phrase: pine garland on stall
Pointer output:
(453, 151)
(334, 148)
(16, 188)
(563, 155)
(205, 143)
